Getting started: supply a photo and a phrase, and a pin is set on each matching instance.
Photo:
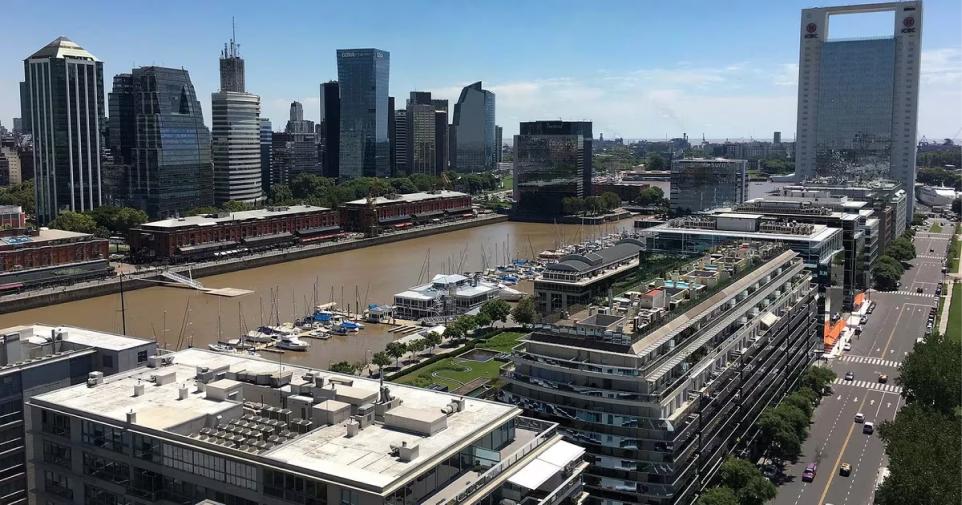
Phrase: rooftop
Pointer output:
(816, 232)
(44, 235)
(622, 250)
(408, 197)
(36, 342)
(216, 219)
(364, 460)
(62, 47)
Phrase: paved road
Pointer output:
(891, 331)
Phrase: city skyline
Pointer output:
(631, 83)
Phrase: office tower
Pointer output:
(777, 138)
(25, 112)
(235, 134)
(17, 125)
(700, 184)
(552, 162)
(197, 425)
(363, 75)
(330, 137)
(498, 143)
(422, 141)
(661, 393)
(65, 95)
(474, 123)
(169, 161)
(297, 111)
(10, 172)
(282, 157)
(266, 139)
(858, 99)
(400, 143)
(35, 359)
(392, 135)
(441, 135)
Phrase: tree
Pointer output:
(396, 350)
(957, 206)
(801, 402)
(496, 310)
(901, 249)
(749, 485)
(433, 339)
(343, 367)
(652, 195)
(305, 185)
(482, 321)
(886, 273)
(235, 206)
(403, 185)
(118, 220)
(523, 312)
(778, 435)
(718, 496)
(610, 200)
(281, 194)
(655, 162)
(380, 187)
(21, 195)
(572, 205)
(816, 378)
(918, 219)
(593, 205)
(381, 359)
(454, 330)
(931, 375)
(74, 221)
(415, 346)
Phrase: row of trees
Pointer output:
(652, 195)
(784, 427)
(738, 483)
(924, 441)
(889, 267)
(573, 205)
(20, 195)
(103, 221)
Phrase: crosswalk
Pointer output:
(869, 360)
(910, 293)
(930, 257)
(885, 388)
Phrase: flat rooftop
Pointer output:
(819, 233)
(74, 335)
(246, 215)
(409, 197)
(45, 235)
(363, 461)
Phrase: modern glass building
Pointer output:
(64, 105)
(422, 137)
(858, 98)
(552, 161)
(266, 140)
(700, 184)
(474, 126)
(330, 134)
(365, 148)
(170, 168)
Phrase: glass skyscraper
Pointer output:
(700, 184)
(552, 161)
(330, 122)
(365, 148)
(858, 98)
(64, 110)
(475, 130)
(170, 159)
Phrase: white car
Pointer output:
(847, 346)
(859, 417)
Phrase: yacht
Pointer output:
(292, 343)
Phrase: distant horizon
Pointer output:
(686, 73)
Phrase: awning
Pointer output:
(267, 238)
(392, 219)
(562, 453)
(534, 474)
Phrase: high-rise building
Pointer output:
(660, 393)
(330, 137)
(235, 134)
(10, 172)
(198, 425)
(399, 147)
(422, 140)
(65, 101)
(858, 99)
(498, 142)
(441, 141)
(365, 149)
(475, 127)
(170, 156)
(297, 111)
(17, 125)
(392, 135)
(282, 157)
(25, 107)
(552, 162)
(777, 138)
(707, 183)
(266, 140)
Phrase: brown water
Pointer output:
(369, 275)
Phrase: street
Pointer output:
(835, 438)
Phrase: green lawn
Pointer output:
(507, 182)
(936, 227)
(452, 372)
(502, 342)
(954, 329)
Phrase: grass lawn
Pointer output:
(502, 342)
(936, 227)
(452, 372)
(507, 182)
(954, 329)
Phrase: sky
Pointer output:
(637, 69)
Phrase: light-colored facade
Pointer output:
(575, 279)
(422, 138)
(236, 147)
(659, 393)
(198, 425)
(858, 99)
(10, 171)
(445, 295)
(699, 184)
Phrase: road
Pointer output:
(834, 438)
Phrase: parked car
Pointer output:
(845, 470)
(868, 428)
(919, 290)
(882, 378)
(863, 320)
(847, 346)
(809, 474)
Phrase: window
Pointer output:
(57, 484)
(146, 448)
(106, 469)
(103, 436)
(349, 497)
(295, 489)
(56, 454)
(55, 423)
(141, 356)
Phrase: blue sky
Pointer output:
(638, 69)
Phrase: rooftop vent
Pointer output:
(182, 392)
(353, 427)
(131, 417)
(405, 452)
(139, 388)
(95, 378)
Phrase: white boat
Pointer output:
(258, 337)
(509, 294)
(221, 348)
(292, 343)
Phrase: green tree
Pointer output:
(425, 182)
(718, 496)
(496, 310)
(482, 321)
(281, 194)
(800, 402)
(380, 187)
(415, 346)
(21, 195)
(886, 273)
(655, 162)
(454, 330)
(901, 249)
(74, 221)
(957, 206)
(433, 339)
(524, 312)
(816, 378)
(396, 350)
(118, 220)
(403, 185)
(381, 359)
(610, 200)
(305, 185)
(652, 195)
(343, 367)
(931, 375)
(593, 205)
(749, 485)
(572, 205)
(778, 434)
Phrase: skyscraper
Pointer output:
(64, 84)
(297, 111)
(474, 127)
(399, 146)
(235, 135)
(441, 140)
(330, 126)
(498, 143)
(858, 99)
(552, 162)
(422, 141)
(170, 167)
(266, 141)
(363, 76)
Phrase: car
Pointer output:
(859, 417)
(882, 378)
(770, 471)
(868, 428)
(847, 346)
(845, 470)
(809, 474)
(919, 290)
(871, 308)
(850, 376)
(931, 250)
(863, 320)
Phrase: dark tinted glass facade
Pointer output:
(698, 185)
(552, 161)
(265, 141)
(854, 132)
(474, 123)
(171, 169)
(330, 127)
(363, 85)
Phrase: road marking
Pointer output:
(892, 334)
(871, 360)
(874, 386)
(838, 460)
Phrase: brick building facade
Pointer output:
(401, 211)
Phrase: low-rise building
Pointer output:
(660, 396)
(445, 295)
(575, 279)
(887, 198)
(208, 236)
(31, 257)
(37, 358)
(199, 425)
(377, 214)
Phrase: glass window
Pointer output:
(103, 436)
(56, 454)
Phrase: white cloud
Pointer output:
(942, 66)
